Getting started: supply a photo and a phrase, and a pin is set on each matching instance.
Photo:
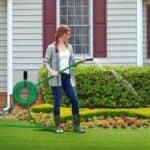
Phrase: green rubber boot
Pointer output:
(57, 124)
(76, 124)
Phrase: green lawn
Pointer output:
(19, 138)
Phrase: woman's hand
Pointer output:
(53, 72)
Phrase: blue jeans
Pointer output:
(70, 93)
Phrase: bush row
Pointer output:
(87, 113)
(106, 86)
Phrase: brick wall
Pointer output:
(3, 97)
(17, 107)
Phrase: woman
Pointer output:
(58, 56)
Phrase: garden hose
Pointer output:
(33, 93)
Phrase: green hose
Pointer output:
(33, 93)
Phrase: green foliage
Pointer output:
(46, 91)
(107, 86)
(46, 108)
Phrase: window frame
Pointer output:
(91, 51)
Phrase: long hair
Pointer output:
(61, 30)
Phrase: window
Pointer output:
(77, 14)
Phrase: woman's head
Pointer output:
(62, 33)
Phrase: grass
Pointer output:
(16, 138)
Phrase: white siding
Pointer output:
(27, 38)
(3, 45)
(146, 60)
(121, 33)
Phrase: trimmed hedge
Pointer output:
(87, 113)
(46, 108)
(107, 86)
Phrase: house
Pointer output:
(113, 32)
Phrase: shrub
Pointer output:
(46, 108)
(88, 113)
(107, 86)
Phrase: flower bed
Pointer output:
(91, 118)
(92, 122)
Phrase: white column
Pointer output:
(57, 13)
(91, 28)
(9, 53)
(139, 33)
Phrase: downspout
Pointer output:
(139, 33)
(9, 54)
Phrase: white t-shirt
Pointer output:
(64, 59)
